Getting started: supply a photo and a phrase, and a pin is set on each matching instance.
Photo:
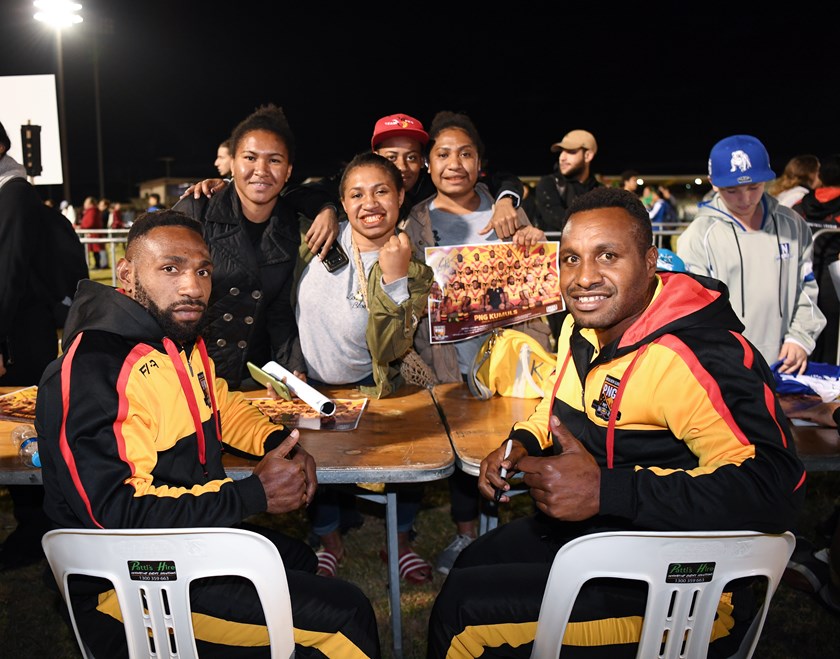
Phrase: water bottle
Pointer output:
(25, 440)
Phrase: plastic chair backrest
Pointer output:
(151, 570)
(685, 574)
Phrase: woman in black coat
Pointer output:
(254, 235)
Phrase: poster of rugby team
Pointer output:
(480, 287)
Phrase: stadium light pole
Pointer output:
(101, 27)
(60, 14)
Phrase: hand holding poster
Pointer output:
(480, 287)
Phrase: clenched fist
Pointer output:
(394, 258)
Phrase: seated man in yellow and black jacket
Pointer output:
(661, 416)
(130, 422)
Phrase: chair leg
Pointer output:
(746, 649)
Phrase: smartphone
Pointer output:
(265, 379)
(336, 257)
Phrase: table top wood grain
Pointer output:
(403, 438)
(477, 427)
(400, 438)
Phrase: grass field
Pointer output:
(30, 625)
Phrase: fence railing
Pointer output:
(661, 231)
(111, 238)
(114, 237)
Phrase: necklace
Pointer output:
(362, 294)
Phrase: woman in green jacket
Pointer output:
(357, 324)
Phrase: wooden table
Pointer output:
(403, 438)
(12, 470)
(477, 427)
(818, 447)
(400, 439)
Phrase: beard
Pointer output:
(574, 171)
(179, 332)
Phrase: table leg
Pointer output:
(488, 517)
(391, 546)
(393, 570)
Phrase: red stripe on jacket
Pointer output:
(64, 446)
(714, 393)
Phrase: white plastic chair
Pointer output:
(681, 607)
(155, 603)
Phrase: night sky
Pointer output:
(657, 86)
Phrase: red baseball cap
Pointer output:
(395, 125)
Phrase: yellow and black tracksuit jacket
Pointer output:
(132, 427)
(681, 414)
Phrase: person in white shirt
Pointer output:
(801, 175)
(68, 211)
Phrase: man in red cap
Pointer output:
(402, 139)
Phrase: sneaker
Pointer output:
(447, 557)
(807, 570)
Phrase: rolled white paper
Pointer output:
(309, 395)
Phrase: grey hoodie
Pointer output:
(768, 272)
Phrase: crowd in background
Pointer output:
(272, 298)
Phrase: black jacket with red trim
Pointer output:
(681, 414)
(129, 425)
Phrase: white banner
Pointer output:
(33, 100)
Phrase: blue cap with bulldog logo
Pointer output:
(739, 160)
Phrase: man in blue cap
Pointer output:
(761, 250)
